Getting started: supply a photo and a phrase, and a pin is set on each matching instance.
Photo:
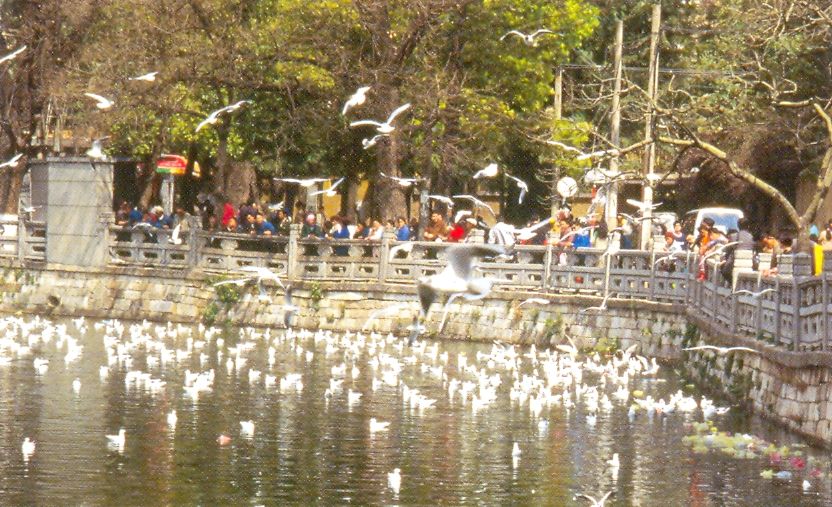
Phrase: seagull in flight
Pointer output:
(304, 183)
(387, 310)
(330, 192)
(149, 77)
(404, 182)
(723, 350)
(477, 203)
(214, 116)
(11, 56)
(529, 39)
(595, 503)
(643, 206)
(12, 162)
(443, 199)
(534, 301)
(457, 278)
(602, 307)
(488, 172)
(755, 295)
(369, 142)
(524, 188)
(529, 232)
(101, 102)
(96, 151)
(404, 247)
(385, 127)
(357, 99)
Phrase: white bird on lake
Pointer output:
(305, 183)
(171, 419)
(394, 480)
(529, 39)
(488, 171)
(369, 142)
(515, 451)
(117, 441)
(76, 386)
(27, 448)
(12, 162)
(522, 185)
(404, 182)
(247, 429)
(595, 503)
(377, 426)
(101, 102)
(723, 350)
(330, 192)
(476, 202)
(356, 99)
(214, 116)
(149, 77)
(11, 56)
(385, 127)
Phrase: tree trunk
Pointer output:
(388, 197)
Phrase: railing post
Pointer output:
(476, 236)
(292, 252)
(777, 311)
(652, 274)
(21, 240)
(105, 220)
(734, 306)
(194, 243)
(384, 255)
(824, 314)
(801, 268)
(547, 262)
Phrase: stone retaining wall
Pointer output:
(789, 387)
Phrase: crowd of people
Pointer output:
(564, 231)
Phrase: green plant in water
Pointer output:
(209, 315)
(606, 345)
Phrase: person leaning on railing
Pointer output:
(436, 230)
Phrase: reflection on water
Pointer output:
(312, 445)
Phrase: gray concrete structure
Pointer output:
(74, 196)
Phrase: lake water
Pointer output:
(310, 445)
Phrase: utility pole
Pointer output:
(555, 204)
(650, 153)
(611, 208)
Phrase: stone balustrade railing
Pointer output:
(794, 314)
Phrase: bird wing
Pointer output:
(702, 347)
(541, 32)
(13, 54)
(99, 98)
(288, 180)
(743, 291)
(399, 110)
(210, 119)
(461, 257)
(366, 122)
(174, 235)
(287, 296)
(744, 349)
(332, 187)
(605, 497)
(586, 497)
(513, 32)
(442, 198)
(427, 295)
(12, 161)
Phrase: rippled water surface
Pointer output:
(311, 446)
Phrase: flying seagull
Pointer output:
(643, 206)
(385, 127)
(149, 77)
(602, 307)
(524, 188)
(477, 203)
(369, 142)
(404, 247)
(387, 310)
(96, 151)
(534, 301)
(457, 275)
(595, 503)
(12, 162)
(330, 192)
(214, 116)
(755, 294)
(304, 183)
(357, 98)
(443, 199)
(723, 350)
(404, 182)
(488, 172)
(14, 54)
(528, 232)
(529, 39)
(101, 102)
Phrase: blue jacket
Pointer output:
(403, 233)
